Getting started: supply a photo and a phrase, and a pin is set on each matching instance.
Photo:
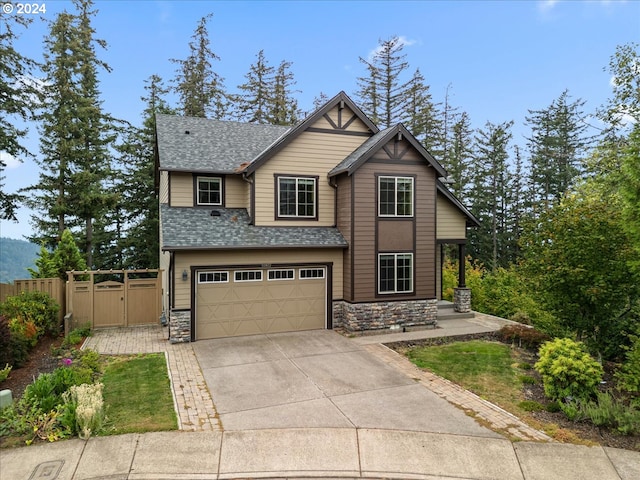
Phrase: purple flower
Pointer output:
(67, 361)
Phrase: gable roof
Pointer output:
(188, 228)
(361, 154)
(340, 98)
(193, 144)
(472, 220)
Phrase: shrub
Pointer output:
(567, 370)
(4, 372)
(606, 411)
(46, 391)
(14, 348)
(523, 336)
(531, 406)
(526, 379)
(31, 314)
(628, 376)
(86, 407)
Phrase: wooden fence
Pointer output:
(55, 287)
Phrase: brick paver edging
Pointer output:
(495, 416)
(194, 407)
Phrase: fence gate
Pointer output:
(115, 298)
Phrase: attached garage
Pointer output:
(250, 301)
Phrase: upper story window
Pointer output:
(297, 197)
(395, 196)
(209, 190)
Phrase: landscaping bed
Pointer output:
(554, 424)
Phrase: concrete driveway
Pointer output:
(319, 379)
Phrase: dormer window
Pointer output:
(297, 197)
(209, 190)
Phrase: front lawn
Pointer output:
(137, 395)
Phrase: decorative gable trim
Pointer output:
(341, 99)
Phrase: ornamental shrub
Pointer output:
(628, 376)
(567, 370)
(31, 314)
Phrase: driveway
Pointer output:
(319, 379)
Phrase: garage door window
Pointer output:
(309, 273)
(248, 276)
(213, 277)
(281, 274)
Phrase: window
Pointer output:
(307, 273)
(209, 190)
(395, 273)
(395, 196)
(248, 276)
(213, 277)
(296, 197)
(288, 274)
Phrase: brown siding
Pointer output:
(366, 228)
(395, 235)
(344, 224)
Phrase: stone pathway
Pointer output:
(194, 406)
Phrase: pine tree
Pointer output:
(459, 156)
(67, 256)
(382, 94)
(75, 134)
(556, 146)
(489, 194)
(253, 104)
(199, 88)
(18, 97)
(284, 107)
(420, 113)
(45, 264)
(517, 205)
(320, 100)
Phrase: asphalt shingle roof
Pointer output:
(211, 145)
(371, 144)
(191, 228)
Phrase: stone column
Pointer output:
(462, 300)
(180, 326)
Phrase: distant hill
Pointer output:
(15, 257)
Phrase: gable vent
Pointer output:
(215, 213)
(187, 132)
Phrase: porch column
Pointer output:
(461, 295)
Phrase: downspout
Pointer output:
(335, 200)
(251, 208)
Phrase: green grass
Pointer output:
(488, 369)
(137, 395)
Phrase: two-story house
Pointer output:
(331, 222)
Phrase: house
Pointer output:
(332, 222)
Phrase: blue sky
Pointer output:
(499, 59)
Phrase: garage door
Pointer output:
(253, 301)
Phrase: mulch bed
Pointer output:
(584, 430)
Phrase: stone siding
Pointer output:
(462, 300)
(180, 326)
(357, 317)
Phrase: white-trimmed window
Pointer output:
(395, 272)
(213, 277)
(282, 274)
(296, 197)
(395, 196)
(209, 190)
(248, 276)
(310, 273)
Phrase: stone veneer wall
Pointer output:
(180, 326)
(380, 315)
(462, 299)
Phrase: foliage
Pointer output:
(628, 375)
(589, 289)
(46, 391)
(85, 407)
(474, 272)
(630, 191)
(45, 265)
(531, 406)
(523, 335)
(4, 372)
(623, 67)
(14, 349)
(567, 370)
(31, 314)
(607, 411)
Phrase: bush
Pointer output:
(45, 393)
(4, 372)
(606, 411)
(568, 371)
(14, 348)
(523, 336)
(531, 406)
(31, 314)
(628, 376)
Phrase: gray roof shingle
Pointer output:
(213, 146)
(195, 228)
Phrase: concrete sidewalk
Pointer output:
(317, 453)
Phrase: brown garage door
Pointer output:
(253, 301)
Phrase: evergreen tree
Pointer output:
(624, 105)
(489, 194)
(45, 264)
(18, 96)
(75, 134)
(67, 256)
(459, 156)
(284, 107)
(254, 103)
(420, 114)
(199, 88)
(320, 100)
(516, 209)
(556, 146)
(382, 94)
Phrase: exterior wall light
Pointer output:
(185, 275)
